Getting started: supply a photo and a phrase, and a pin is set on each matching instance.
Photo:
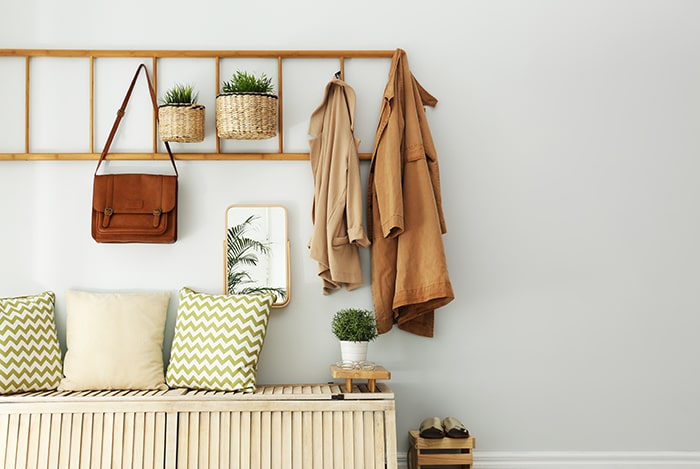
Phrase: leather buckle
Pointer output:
(108, 213)
(157, 212)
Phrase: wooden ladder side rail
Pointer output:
(155, 55)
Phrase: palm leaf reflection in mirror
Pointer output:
(243, 251)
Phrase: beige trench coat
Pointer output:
(338, 230)
(409, 268)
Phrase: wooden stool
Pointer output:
(446, 451)
(379, 372)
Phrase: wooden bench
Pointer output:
(296, 426)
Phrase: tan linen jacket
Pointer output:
(338, 230)
(405, 219)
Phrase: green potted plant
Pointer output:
(355, 328)
(246, 108)
(180, 118)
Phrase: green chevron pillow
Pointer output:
(30, 357)
(218, 340)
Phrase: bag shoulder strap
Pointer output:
(122, 111)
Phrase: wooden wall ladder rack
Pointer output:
(154, 56)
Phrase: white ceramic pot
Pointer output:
(353, 351)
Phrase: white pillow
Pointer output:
(114, 341)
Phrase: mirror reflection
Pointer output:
(257, 251)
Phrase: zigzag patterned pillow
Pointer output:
(218, 340)
(30, 357)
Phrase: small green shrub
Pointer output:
(355, 325)
(180, 94)
(243, 82)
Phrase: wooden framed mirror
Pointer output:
(256, 251)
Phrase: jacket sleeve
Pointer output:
(388, 173)
(353, 205)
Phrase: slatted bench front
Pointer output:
(279, 426)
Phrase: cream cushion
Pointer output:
(114, 341)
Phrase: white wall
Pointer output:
(568, 136)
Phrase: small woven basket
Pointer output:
(181, 122)
(246, 116)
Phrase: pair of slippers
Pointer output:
(451, 427)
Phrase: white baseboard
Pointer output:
(580, 460)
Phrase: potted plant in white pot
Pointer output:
(180, 118)
(246, 108)
(355, 328)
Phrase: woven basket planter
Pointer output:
(181, 122)
(246, 116)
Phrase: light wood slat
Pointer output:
(118, 440)
(235, 448)
(358, 431)
(445, 459)
(84, 442)
(224, 405)
(225, 440)
(244, 437)
(65, 435)
(149, 435)
(33, 441)
(254, 443)
(270, 431)
(22, 441)
(12, 440)
(280, 106)
(193, 440)
(91, 123)
(139, 440)
(368, 439)
(160, 156)
(128, 444)
(171, 438)
(338, 443)
(328, 431)
(214, 439)
(44, 442)
(4, 440)
(97, 435)
(317, 436)
(204, 440)
(286, 447)
(297, 439)
(348, 440)
(146, 53)
(154, 118)
(379, 439)
(389, 437)
(164, 448)
(268, 392)
(183, 433)
(217, 78)
(55, 440)
(27, 78)
(107, 440)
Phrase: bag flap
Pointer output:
(134, 193)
